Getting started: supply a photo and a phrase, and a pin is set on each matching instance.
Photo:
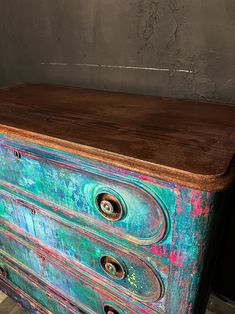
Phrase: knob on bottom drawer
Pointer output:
(110, 310)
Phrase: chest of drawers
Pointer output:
(111, 203)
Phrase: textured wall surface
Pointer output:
(170, 48)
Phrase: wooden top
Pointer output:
(184, 142)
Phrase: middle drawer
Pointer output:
(62, 278)
(118, 267)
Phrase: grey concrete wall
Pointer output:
(171, 48)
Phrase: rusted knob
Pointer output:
(3, 273)
(109, 206)
(112, 267)
(110, 310)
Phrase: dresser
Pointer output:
(111, 203)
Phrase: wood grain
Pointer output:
(188, 143)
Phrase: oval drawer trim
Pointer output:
(70, 185)
(132, 273)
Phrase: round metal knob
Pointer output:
(3, 273)
(110, 310)
(112, 267)
(106, 207)
(109, 206)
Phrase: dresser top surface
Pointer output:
(185, 142)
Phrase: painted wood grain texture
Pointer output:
(52, 236)
(185, 142)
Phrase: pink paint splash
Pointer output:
(190, 308)
(192, 200)
(147, 179)
(179, 210)
(197, 209)
(141, 177)
(158, 251)
(176, 259)
(181, 283)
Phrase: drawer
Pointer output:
(111, 202)
(63, 279)
(121, 268)
(20, 282)
(46, 295)
(23, 299)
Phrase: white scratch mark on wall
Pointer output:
(120, 67)
(54, 63)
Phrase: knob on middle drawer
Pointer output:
(112, 267)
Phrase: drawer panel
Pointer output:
(66, 281)
(17, 279)
(116, 205)
(24, 300)
(45, 294)
(106, 259)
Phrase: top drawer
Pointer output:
(93, 194)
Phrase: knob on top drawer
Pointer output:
(109, 206)
(83, 190)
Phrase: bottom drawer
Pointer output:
(13, 278)
(24, 300)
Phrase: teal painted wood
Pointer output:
(165, 229)
(52, 302)
(48, 272)
(84, 248)
(22, 298)
(67, 183)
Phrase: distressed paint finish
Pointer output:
(172, 243)
(73, 186)
(73, 286)
(191, 230)
(22, 299)
(51, 301)
(81, 246)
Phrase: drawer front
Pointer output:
(17, 279)
(73, 285)
(129, 209)
(120, 266)
(23, 299)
